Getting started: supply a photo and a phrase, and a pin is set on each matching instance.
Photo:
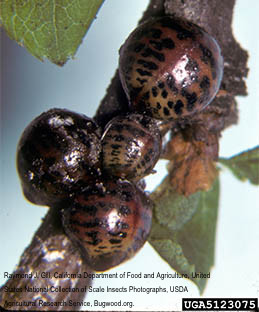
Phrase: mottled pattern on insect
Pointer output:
(170, 68)
(109, 223)
(131, 146)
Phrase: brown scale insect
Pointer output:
(57, 153)
(109, 223)
(131, 146)
(170, 68)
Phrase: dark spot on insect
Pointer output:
(116, 146)
(147, 158)
(158, 105)
(166, 111)
(178, 107)
(154, 91)
(150, 52)
(207, 58)
(93, 235)
(141, 81)
(156, 33)
(147, 64)
(168, 43)
(164, 94)
(143, 72)
(205, 83)
(191, 99)
(102, 247)
(143, 162)
(115, 153)
(115, 241)
(156, 44)
(170, 104)
(120, 234)
(161, 85)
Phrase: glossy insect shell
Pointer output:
(131, 146)
(109, 225)
(170, 68)
(57, 153)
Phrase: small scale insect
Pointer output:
(58, 152)
(109, 224)
(131, 146)
(170, 68)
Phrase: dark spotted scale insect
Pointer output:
(109, 223)
(170, 68)
(57, 153)
(131, 146)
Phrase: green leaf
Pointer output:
(245, 166)
(50, 29)
(165, 243)
(171, 209)
(190, 248)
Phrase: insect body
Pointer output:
(131, 146)
(57, 153)
(170, 68)
(109, 224)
